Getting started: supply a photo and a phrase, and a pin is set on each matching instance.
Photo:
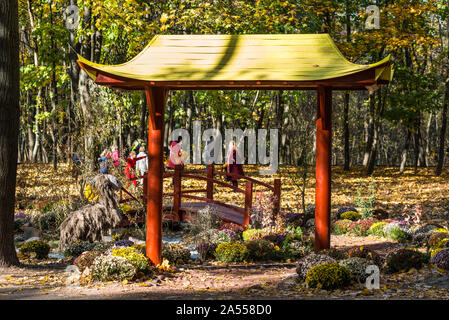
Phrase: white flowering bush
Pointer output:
(357, 266)
(310, 261)
(112, 268)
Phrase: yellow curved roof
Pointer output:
(272, 57)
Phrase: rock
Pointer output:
(438, 282)
(290, 281)
(255, 287)
(32, 239)
(136, 240)
(31, 232)
(86, 272)
(107, 239)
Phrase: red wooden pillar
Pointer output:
(156, 99)
(145, 188)
(323, 168)
(248, 203)
(177, 193)
(277, 196)
(210, 183)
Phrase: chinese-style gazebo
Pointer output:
(242, 62)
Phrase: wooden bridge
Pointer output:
(179, 210)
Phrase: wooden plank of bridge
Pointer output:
(225, 213)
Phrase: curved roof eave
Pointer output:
(239, 60)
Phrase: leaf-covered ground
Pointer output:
(39, 184)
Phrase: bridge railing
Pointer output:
(208, 175)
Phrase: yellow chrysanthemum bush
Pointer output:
(351, 215)
(231, 252)
(328, 276)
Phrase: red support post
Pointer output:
(156, 99)
(177, 193)
(277, 196)
(323, 168)
(210, 183)
(145, 189)
(248, 203)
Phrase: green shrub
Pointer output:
(231, 252)
(260, 250)
(53, 214)
(341, 226)
(112, 268)
(296, 249)
(137, 259)
(175, 253)
(335, 253)
(39, 247)
(363, 252)
(404, 260)
(398, 234)
(377, 229)
(328, 276)
(252, 234)
(77, 248)
(86, 259)
(297, 231)
(102, 246)
(357, 266)
(351, 215)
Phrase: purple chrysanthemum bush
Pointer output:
(441, 259)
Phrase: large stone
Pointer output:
(32, 239)
(31, 232)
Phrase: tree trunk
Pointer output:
(9, 126)
(85, 102)
(346, 151)
(404, 151)
(428, 140)
(441, 152)
(53, 98)
(417, 143)
(373, 152)
(369, 130)
(346, 132)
